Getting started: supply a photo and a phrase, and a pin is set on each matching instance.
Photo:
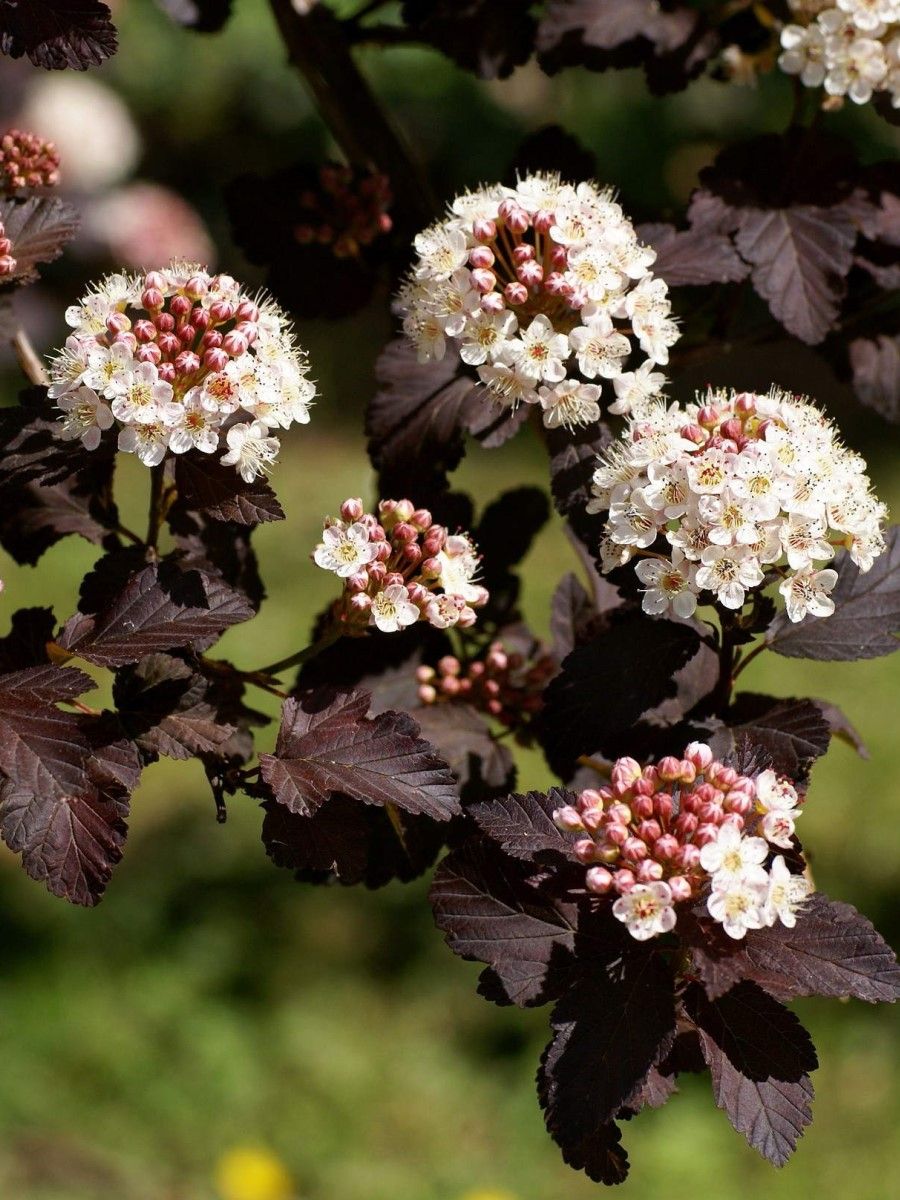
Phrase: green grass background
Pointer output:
(210, 1000)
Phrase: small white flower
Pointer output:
(487, 336)
(86, 416)
(570, 403)
(778, 828)
(510, 387)
(646, 911)
(669, 585)
(774, 793)
(192, 426)
(599, 348)
(141, 396)
(539, 352)
(345, 549)
(148, 441)
(459, 566)
(392, 609)
(808, 592)
(728, 571)
(250, 450)
(635, 389)
(737, 904)
(732, 856)
(786, 894)
(443, 612)
(109, 369)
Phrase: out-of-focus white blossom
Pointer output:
(849, 47)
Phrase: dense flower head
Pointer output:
(7, 263)
(399, 567)
(180, 359)
(745, 489)
(545, 289)
(348, 210)
(27, 161)
(684, 829)
(849, 47)
(507, 684)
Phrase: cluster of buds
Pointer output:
(348, 210)
(737, 486)
(665, 834)
(543, 288)
(7, 263)
(849, 47)
(399, 567)
(505, 684)
(181, 360)
(27, 161)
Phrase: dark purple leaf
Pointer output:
(552, 149)
(600, 1156)
(26, 643)
(792, 733)
(57, 33)
(573, 462)
(462, 736)
(608, 684)
(522, 825)
(759, 1056)
(876, 374)
(842, 727)
(693, 257)
(205, 486)
(159, 607)
(609, 1028)
(800, 257)
(166, 707)
(38, 226)
(327, 744)
(832, 951)
(488, 37)
(490, 912)
(866, 615)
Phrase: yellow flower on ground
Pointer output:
(253, 1173)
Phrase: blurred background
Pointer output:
(215, 1031)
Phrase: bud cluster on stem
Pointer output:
(671, 831)
(27, 161)
(399, 567)
(348, 210)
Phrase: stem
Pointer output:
(319, 48)
(29, 360)
(155, 517)
(331, 636)
(727, 646)
(596, 764)
(394, 818)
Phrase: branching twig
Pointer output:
(29, 360)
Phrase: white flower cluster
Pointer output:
(544, 288)
(849, 47)
(181, 360)
(744, 488)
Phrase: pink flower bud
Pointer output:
(732, 429)
(649, 871)
(734, 819)
(568, 818)
(708, 417)
(688, 857)
(211, 340)
(516, 218)
(187, 362)
(117, 322)
(690, 803)
(663, 807)
(584, 850)
(699, 754)
(669, 769)
(484, 229)
(482, 257)
(186, 334)
(152, 299)
(643, 787)
(685, 825)
(165, 322)
(144, 330)
(360, 603)
(179, 306)
(449, 665)
(167, 372)
(557, 285)
(466, 618)
(168, 343)
(434, 540)
(679, 887)
(221, 311)
(598, 880)
(215, 360)
(530, 274)
(149, 352)
(616, 834)
(450, 686)
(619, 813)
(705, 834)
(593, 818)
(710, 813)
(197, 287)
(515, 293)
(377, 571)
(745, 403)
(635, 849)
(424, 674)
(430, 568)
(688, 772)
(625, 772)
(523, 254)
(404, 532)
(126, 338)
(154, 279)
(417, 594)
(234, 343)
(642, 807)
(483, 280)
(623, 881)
(544, 220)
(247, 311)
(649, 830)
(352, 509)
(666, 847)
(590, 798)
(421, 519)
(493, 303)
(427, 694)
(200, 319)
(411, 555)
(357, 582)
(738, 802)
(693, 433)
